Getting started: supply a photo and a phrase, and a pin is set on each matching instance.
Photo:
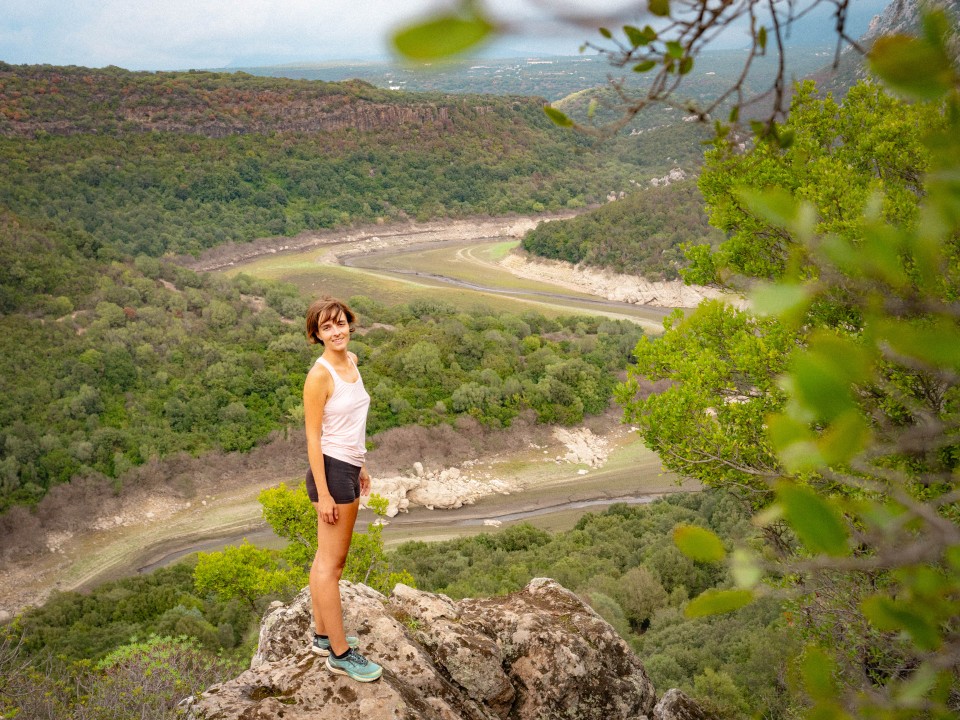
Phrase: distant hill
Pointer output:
(900, 16)
(554, 78)
(159, 163)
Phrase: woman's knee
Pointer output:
(326, 567)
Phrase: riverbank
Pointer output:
(157, 526)
(345, 246)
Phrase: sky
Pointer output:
(211, 34)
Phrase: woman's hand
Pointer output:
(364, 481)
(327, 510)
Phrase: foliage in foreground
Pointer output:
(835, 404)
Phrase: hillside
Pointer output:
(641, 234)
(159, 163)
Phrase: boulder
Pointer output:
(540, 653)
(675, 705)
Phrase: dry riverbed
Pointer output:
(550, 484)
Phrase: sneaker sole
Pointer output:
(358, 678)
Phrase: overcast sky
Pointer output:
(185, 34)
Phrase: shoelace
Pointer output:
(354, 656)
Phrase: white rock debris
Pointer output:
(455, 487)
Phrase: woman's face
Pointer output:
(335, 332)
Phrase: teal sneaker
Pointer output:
(321, 646)
(355, 666)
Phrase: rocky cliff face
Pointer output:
(538, 654)
(899, 16)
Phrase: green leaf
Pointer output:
(714, 602)
(785, 138)
(636, 36)
(558, 117)
(674, 49)
(879, 255)
(919, 685)
(762, 37)
(842, 253)
(780, 299)
(936, 26)
(660, 8)
(606, 33)
(698, 543)
(888, 615)
(744, 569)
(735, 113)
(686, 65)
(818, 670)
(441, 36)
(644, 66)
(775, 205)
(815, 520)
(911, 66)
(794, 442)
(936, 343)
(821, 379)
(846, 437)
(953, 556)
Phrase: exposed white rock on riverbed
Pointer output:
(455, 487)
(611, 285)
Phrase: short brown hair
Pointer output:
(324, 309)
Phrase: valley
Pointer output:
(458, 262)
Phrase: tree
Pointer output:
(849, 439)
(851, 444)
(292, 516)
(244, 571)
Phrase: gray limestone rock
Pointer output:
(539, 654)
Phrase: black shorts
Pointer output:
(343, 481)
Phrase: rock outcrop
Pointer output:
(539, 654)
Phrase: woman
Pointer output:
(335, 408)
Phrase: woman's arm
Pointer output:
(316, 390)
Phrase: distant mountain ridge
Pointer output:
(900, 16)
(72, 100)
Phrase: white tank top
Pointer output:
(344, 428)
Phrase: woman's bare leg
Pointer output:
(333, 543)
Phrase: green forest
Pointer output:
(156, 360)
(110, 172)
(122, 163)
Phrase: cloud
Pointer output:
(184, 34)
(177, 34)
